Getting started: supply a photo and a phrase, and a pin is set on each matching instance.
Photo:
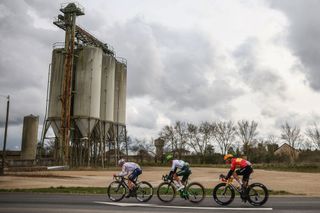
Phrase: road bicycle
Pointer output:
(118, 189)
(256, 193)
(194, 192)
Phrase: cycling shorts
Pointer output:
(245, 172)
(134, 175)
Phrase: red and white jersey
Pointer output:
(239, 162)
(128, 167)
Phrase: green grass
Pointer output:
(103, 190)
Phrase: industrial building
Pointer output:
(86, 104)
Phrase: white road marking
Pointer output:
(181, 207)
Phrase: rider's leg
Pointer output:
(133, 177)
(236, 176)
(246, 175)
(185, 173)
(130, 184)
(177, 179)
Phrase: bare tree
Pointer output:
(313, 135)
(168, 135)
(272, 139)
(224, 135)
(292, 136)
(181, 135)
(143, 148)
(175, 137)
(247, 132)
(199, 138)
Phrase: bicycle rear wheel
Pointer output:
(116, 191)
(195, 192)
(257, 194)
(144, 191)
(223, 194)
(166, 192)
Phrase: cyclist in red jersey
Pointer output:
(245, 169)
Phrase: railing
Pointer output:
(122, 60)
(58, 45)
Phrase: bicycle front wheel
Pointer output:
(166, 192)
(116, 191)
(144, 191)
(223, 194)
(257, 194)
(195, 192)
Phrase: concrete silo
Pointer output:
(56, 80)
(120, 92)
(87, 89)
(107, 88)
(29, 137)
(119, 127)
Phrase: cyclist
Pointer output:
(184, 171)
(134, 170)
(245, 169)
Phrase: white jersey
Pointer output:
(177, 164)
(127, 168)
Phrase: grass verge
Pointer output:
(103, 190)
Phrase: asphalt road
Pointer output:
(47, 203)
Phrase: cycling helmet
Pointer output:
(169, 157)
(227, 156)
(121, 162)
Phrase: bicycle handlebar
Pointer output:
(119, 178)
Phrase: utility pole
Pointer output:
(71, 11)
(5, 137)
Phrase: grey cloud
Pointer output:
(145, 117)
(260, 79)
(25, 55)
(304, 34)
(170, 65)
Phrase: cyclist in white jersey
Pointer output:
(131, 169)
(184, 171)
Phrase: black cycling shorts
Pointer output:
(134, 175)
(245, 172)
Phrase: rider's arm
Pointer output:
(124, 171)
(173, 169)
(232, 168)
(229, 174)
(171, 173)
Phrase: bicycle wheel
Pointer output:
(144, 191)
(257, 194)
(223, 194)
(116, 191)
(195, 192)
(166, 192)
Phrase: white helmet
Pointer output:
(121, 162)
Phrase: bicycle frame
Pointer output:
(229, 183)
(171, 182)
(123, 180)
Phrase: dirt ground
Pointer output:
(294, 182)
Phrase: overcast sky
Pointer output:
(190, 60)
